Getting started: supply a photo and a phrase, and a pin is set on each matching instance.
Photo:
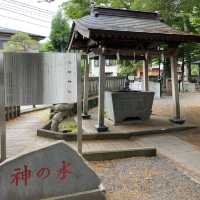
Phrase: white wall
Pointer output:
(153, 86)
(111, 70)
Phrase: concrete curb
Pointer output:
(111, 155)
(34, 110)
(44, 132)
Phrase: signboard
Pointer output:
(39, 78)
(35, 78)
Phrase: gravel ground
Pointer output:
(145, 179)
(154, 178)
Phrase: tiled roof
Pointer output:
(12, 31)
(119, 20)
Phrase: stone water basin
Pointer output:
(126, 104)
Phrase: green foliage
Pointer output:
(46, 47)
(60, 32)
(128, 67)
(195, 70)
(21, 42)
(69, 125)
(180, 14)
(75, 9)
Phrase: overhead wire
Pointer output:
(20, 13)
(24, 10)
(21, 20)
(29, 6)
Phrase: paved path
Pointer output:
(21, 136)
(107, 145)
(186, 155)
(156, 122)
(21, 132)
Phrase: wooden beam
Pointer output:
(129, 52)
(114, 57)
(144, 36)
(71, 41)
(86, 90)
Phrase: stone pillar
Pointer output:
(100, 126)
(145, 73)
(85, 114)
(175, 92)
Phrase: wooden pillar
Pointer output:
(2, 111)
(3, 132)
(100, 126)
(79, 106)
(199, 71)
(175, 91)
(145, 73)
(85, 114)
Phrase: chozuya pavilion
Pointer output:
(123, 34)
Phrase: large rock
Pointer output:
(48, 172)
(57, 119)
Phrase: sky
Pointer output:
(28, 15)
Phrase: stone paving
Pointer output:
(155, 123)
(21, 136)
(21, 132)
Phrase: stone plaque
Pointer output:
(39, 78)
(48, 172)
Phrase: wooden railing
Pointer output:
(112, 83)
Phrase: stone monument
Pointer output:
(55, 171)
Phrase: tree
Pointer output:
(75, 9)
(180, 14)
(60, 32)
(46, 47)
(128, 67)
(21, 42)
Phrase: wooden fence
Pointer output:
(12, 112)
(112, 83)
